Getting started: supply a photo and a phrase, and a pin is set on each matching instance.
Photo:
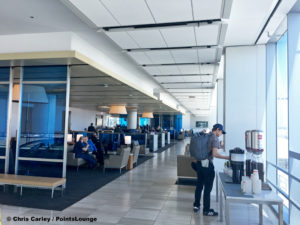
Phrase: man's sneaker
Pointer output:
(210, 212)
(196, 209)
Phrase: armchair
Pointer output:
(135, 151)
(118, 161)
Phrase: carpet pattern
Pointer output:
(79, 185)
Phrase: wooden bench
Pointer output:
(32, 181)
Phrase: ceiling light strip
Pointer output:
(172, 48)
(180, 64)
(161, 25)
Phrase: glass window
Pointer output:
(43, 107)
(42, 126)
(283, 181)
(295, 193)
(295, 215)
(271, 173)
(3, 116)
(4, 77)
(144, 121)
(282, 103)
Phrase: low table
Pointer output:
(232, 193)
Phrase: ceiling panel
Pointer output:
(122, 39)
(148, 38)
(207, 9)
(140, 57)
(94, 81)
(186, 85)
(160, 57)
(153, 70)
(172, 69)
(179, 36)
(122, 10)
(207, 34)
(96, 12)
(185, 55)
(207, 55)
(170, 79)
(189, 69)
(189, 90)
(208, 69)
(171, 10)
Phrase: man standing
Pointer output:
(91, 128)
(206, 171)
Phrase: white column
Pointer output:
(131, 118)
(245, 92)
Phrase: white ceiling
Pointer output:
(167, 50)
(239, 26)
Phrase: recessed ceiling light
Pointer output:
(31, 17)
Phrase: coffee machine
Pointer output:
(237, 159)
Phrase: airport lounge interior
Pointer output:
(149, 112)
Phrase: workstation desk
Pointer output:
(232, 194)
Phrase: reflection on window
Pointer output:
(282, 103)
(3, 116)
(144, 121)
(42, 126)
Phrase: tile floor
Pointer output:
(147, 195)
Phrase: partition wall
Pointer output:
(32, 135)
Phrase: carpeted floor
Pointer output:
(79, 185)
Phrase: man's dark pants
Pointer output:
(205, 178)
(87, 157)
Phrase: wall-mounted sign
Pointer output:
(202, 124)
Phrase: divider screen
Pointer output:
(42, 121)
(4, 88)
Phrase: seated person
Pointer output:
(81, 151)
(158, 129)
(99, 149)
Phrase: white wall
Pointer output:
(198, 118)
(81, 118)
(220, 101)
(186, 121)
(245, 92)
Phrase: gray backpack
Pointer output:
(199, 146)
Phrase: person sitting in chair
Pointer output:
(81, 151)
(99, 148)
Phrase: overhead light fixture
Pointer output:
(117, 109)
(147, 115)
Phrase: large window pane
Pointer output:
(3, 116)
(295, 193)
(4, 77)
(271, 173)
(282, 103)
(295, 215)
(41, 147)
(42, 126)
(283, 181)
(294, 167)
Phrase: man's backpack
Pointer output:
(199, 146)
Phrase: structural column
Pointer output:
(131, 118)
